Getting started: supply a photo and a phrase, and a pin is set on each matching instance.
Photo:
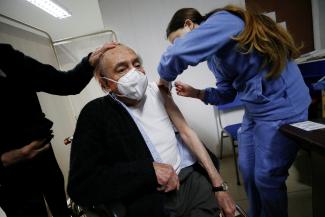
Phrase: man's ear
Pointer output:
(104, 84)
(189, 23)
(110, 85)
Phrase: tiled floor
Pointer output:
(299, 193)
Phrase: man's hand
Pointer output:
(94, 57)
(166, 177)
(226, 203)
(186, 90)
(25, 153)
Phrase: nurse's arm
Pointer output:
(198, 45)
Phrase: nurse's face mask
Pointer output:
(132, 85)
(188, 27)
(178, 34)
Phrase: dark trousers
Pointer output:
(24, 187)
(194, 198)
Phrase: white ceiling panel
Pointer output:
(86, 17)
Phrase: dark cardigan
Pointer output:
(110, 161)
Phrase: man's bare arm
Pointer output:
(192, 140)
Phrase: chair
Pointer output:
(229, 130)
(240, 212)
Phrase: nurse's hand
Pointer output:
(226, 203)
(94, 56)
(186, 90)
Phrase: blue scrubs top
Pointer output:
(236, 72)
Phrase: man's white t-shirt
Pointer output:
(152, 115)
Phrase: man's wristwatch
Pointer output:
(222, 187)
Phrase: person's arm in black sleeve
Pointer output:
(44, 77)
(94, 181)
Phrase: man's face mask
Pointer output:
(132, 85)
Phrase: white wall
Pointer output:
(318, 8)
(141, 25)
(321, 9)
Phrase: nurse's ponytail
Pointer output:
(267, 37)
(260, 34)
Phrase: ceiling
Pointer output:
(86, 17)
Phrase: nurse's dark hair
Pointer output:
(260, 34)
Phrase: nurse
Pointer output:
(249, 55)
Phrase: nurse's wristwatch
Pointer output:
(222, 187)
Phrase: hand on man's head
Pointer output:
(94, 57)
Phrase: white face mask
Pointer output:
(132, 85)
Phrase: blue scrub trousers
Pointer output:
(265, 155)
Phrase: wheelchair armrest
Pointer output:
(112, 210)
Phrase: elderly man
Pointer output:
(125, 149)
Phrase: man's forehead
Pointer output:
(119, 52)
(118, 56)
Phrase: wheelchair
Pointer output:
(114, 210)
(118, 210)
